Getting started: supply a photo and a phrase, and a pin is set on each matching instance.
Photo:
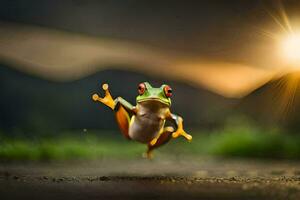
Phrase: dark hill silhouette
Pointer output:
(33, 105)
(276, 103)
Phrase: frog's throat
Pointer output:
(154, 99)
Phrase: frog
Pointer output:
(146, 121)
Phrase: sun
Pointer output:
(291, 48)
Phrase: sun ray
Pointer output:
(267, 33)
(288, 96)
(285, 17)
(277, 21)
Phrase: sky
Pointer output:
(203, 36)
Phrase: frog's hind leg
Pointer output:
(123, 119)
(124, 115)
(163, 138)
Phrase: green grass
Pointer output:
(68, 147)
(240, 141)
(258, 145)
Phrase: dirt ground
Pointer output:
(162, 178)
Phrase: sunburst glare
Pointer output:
(291, 48)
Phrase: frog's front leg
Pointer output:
(179, 131)
(107, 99)
(121, 107)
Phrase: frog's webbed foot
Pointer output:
(148, 155)
(181, 132)
(107, 99)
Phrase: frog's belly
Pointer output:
(144, 129)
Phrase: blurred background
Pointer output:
(233, 66)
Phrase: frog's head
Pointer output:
(149, 93)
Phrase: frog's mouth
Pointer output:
(154, 99)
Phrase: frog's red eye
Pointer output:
(141, 88)
(168, 91)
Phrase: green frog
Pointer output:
(145, 122)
